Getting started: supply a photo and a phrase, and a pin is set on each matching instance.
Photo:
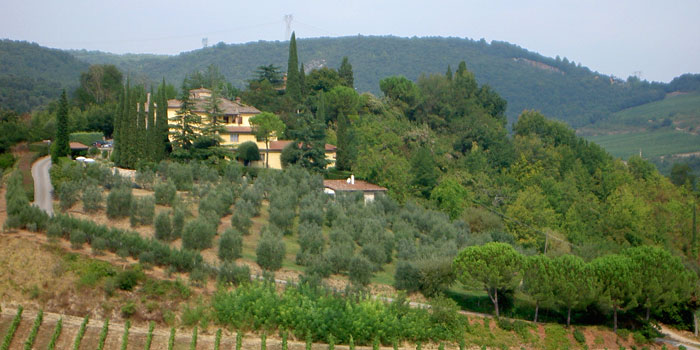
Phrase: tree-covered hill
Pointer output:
(32, 75)
(527, 80)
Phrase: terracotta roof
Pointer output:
(344, 186)
(227, 107)
(280, 145)
(240, 129)
(77, 145)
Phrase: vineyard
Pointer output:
(47, 331)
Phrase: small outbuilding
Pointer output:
(369, 191)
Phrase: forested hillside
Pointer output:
(31, 75)
(527, 80)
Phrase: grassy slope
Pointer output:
(632, 129)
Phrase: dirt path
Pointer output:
(42, 184)
(673, 338)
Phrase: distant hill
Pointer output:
(557, 87)
(31, 75)
(665, 131)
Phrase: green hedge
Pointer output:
(86, 138)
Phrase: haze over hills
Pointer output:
(32, 75)
(559, 88)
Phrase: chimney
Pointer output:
(238, 100)
(352, 179)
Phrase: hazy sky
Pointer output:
(660, 39)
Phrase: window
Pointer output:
(233, 137)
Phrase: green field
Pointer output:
(660, 128)
(651, 143)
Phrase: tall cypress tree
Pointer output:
(162, 127)
(61, 144)
(345, 73)
(151, 142)
(347, 150)
(293, 87)
(449, 73)
(302, 81)
(117, 134)
(142, 132)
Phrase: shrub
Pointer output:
(68, 194)
(163, 228)
(142, 211)
(181, 175)
(311, 242)
(92, 199)
(339, 256)
(230, 245)
(375, 254)
(145, 178)
(270, 251)
(241, 218)
(578, 335)
(178, 223)
(407, 277)
(128, 279)
(165, 193)
(198, 234)
(119, 202)
(360, 271)
(318, 265)
(99, 245)
(77, 239)
(229, 272)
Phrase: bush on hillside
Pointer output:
(119, 202)
(360, 271)
(178, 223)
(270, 250)
(142, 211)
(229, 272)
(198, 234)
(165, 192)
(68, 194)
(92, 199)
(163, 227)
(230, 245)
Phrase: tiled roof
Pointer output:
(280, 145)
(227, 107)
(344, 186)
(77, 145)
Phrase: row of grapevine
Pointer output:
(35, 329)
(81, 333)
(13, 328)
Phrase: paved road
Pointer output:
(42, 185)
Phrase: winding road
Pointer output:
(42, 185)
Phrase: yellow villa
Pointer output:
(237, 128)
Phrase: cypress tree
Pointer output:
(449, 73)
(321, 110)
(116, 152)
(162, 127)
(151, 131)
(142, 144)
(61, 145)
(346, 144)
(302, 81)
(345, 73)
(293, 87)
